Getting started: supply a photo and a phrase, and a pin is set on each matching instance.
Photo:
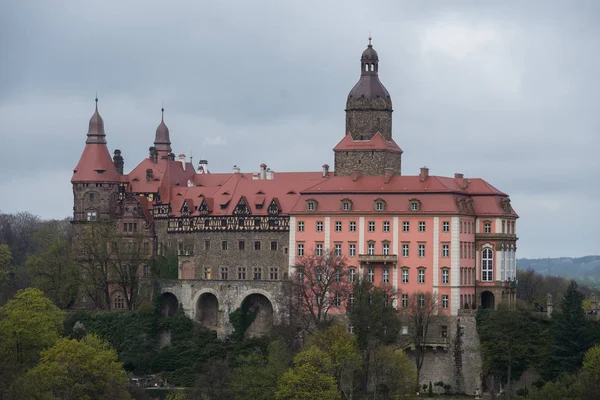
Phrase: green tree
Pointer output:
(78, 370)
(51, 267)
(310, 379)
(394, 374)
(5, 261)
(28, 324)
(588, 380)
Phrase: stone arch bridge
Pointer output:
(209, 302)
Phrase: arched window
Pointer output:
(487, 265)
(119, 302)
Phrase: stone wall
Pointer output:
(366, 117)
(370, 163)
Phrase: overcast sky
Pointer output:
(507, 91)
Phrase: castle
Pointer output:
(452, 236)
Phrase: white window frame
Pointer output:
(352, 226)
(421, 250)
(371, 249)
(338, 226)
(405, 275)
(405, 250)
(421, 275)
(445, 226)
(319, 226)
(386, 249)
(404, 300)
(385, 277)
(300, 226)
(371, 226)
(445, 275)
(300, 249)
(405, 226)
(319, 249)
(352, 249)
(338, 249)
(421, 226)
(445, 250)
(445, 301)
(371, 275)
(386, 226)
(487, 264)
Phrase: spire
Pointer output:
(369, 61)
(161, 140)
(96, 128)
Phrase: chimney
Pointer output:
(270, 174)
(236, 169)
(388, 175)
(203, 167)
(190, 183)
(424, 174)
(458, 175)
(149, 175)
(255, 176)
(325, 171)
(153, 154)
(263, 171)
(118, 161)
(355, 175)
(181, 159)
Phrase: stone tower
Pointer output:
(95, 178)
(368, 145)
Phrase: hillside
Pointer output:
(584, 269)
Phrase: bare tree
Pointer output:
(421, 312)
(320, 283)
(130, 252)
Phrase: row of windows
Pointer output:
(378, 205)
(371, 249)
(467, 250)
(371, 226)
(467, 276)
(242, 273)
(467, 301)
(241, 245)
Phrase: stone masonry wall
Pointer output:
(366, 117)
(370, 163)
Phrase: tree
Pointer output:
(529, 285)
(72, 369)
(320, 284)
(129, 254)
(5, 262)
(28, 324)
(52, 268)
(310, 379)
(214, 383)
(394, 373)
(421, 313)
(587, 385)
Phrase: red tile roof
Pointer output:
(377, 142)
(95, 165)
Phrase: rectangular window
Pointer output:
(319, 249)
(352, 250)
(487, 227)
(337, 300)
(338, 226)
(404, 275)
(405, 226)
(319, 226)
(300, 226)
(224, 245)
(421, 275)
(444, 329)
(404, 300)
(421, 226)
(352, 226)
(404, 330)
(242, 244)
(444, 301)
(224, 273)
(445, 275)
(273, 273)
(241, 272)
(379, 206)
(445, 226)
(145, 270)
(91, 215)
(350, 305)
(207, 273)
(257, 245)
(371, 249)
(404, 250)
(346, 206)
(386, 226)
(257, 273)
(421, 300)
(371, 275)
(421, 250)
(300, 249)
(445, 250)
(274, 245)
(386, 249)
(371, 226)
(386, 275)
(338, 249)
(351, 274)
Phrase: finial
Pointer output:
(162, 114)
(96, 99)
(370, 38)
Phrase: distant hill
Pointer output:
(584, 269)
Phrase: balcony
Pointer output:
(378, 258)
(496, 236)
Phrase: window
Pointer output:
(300, 249)
(319, 226)
(352, 250)
(421, 300)
(469, 227)
(487, 262)
(405, 250)
(274, 245)
(351, 274)
(350, 327)
(145, 270)
(421, 275)
(350, 303)
(242, 244)
(310, 205)
(386, 226)
(224, 273)
(386, 249)
(371, 226)
(379, 205)
(273, 273)
(92, 197)
(338, 226)
(444, 328)
(421, 226)
(405, 226)
(206, 272)
(300, 226)
(371, 275)
(91, 215)
(337, 300)
(404, 300)
(445, 226)
(224, 245)
(300, 275)
(404, 330)
(319, 249)
(338, 275)
(445, 250)
(346, 206)
(386, 275)
(352, 226)
(487, 227)
(404, 275)
(421, 250)
(129, 227)
(338, 249)
(371, 248)
(414, 205)
(257, 273)
(445, 275)
(241, 272)
(207, 245)
(319, 273)
(444, 301)
(119, 303)
(257, 245)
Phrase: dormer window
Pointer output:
(311, 205)
(414, 205)
(379, 205)
(346, 205)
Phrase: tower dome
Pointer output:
(96, 133)
(162, 142)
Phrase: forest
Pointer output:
(44, 341)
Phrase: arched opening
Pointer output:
(487, 300)
(168, 304)
(263, 309)
(207, 311)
